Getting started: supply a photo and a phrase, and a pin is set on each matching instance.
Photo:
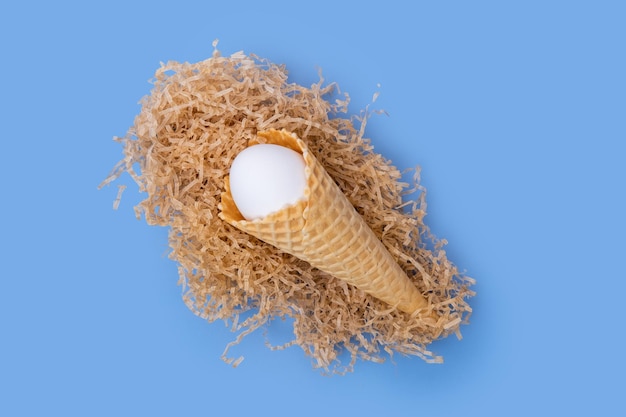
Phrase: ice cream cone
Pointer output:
(325, 230)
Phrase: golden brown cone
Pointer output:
(326, 231)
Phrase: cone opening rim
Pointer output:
(233, 215)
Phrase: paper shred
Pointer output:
(196, 119)
(116, 202)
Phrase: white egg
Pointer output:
(266, 178)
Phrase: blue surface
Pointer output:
(514, 110)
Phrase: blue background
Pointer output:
(515, 110)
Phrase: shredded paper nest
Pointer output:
(197, 118)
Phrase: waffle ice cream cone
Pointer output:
(326, 231)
